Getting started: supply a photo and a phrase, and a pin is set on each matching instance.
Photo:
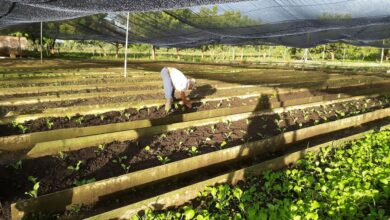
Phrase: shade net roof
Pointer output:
(189, 23)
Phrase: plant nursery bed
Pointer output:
(113, 159)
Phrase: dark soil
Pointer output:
(132, 114)
(199, 93)
(94, 90)
(54, 174)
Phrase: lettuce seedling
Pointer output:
(75, 167)
(17, 165)
(49, 124)
(34, 192)
(193, 151)
(100, 149)
(79, 120)
(120, 161)
(62, 155)
(163, 159)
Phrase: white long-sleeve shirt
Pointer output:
(179, 80)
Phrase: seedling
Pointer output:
(282, 130)
(83, 181)
(120, 161)
(62, 155)
(228, 135)
(68, 117)
(213, 128)
(75, 167)
(127, 115)
(180, 144)
(34, 192)
(21, 127)
(316, 122)
(79, 120)
(163, 136)
(260, 135)
(223, 144)
(163, 159)
(49, 124)
(193, 151)
(189, 131)
(147, 148)
(102, 117)
(228, 123)
(100, 148)
(17, 165)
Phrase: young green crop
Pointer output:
(17, 165)
(49, 124)
(121, 162)
(193, 151)
(163, 159)
(33, 193)
(350, 182)
(76, 167)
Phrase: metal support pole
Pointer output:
(126, 44)
(41, 42)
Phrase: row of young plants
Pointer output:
(346, 182)
(78, 166)
(130, 114)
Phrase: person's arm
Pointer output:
(184, 99)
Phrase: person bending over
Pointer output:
(173, 79)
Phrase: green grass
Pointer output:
(349, 182)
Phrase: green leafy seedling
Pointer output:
(79, 120)
(75, 167)
(193, 151)
(125, 168)
(34, 192)
(62, 155)
(147, 148)
(102, 117)
(120, 161)
(49, 124)
(100, 148)
(228, 135)
(17, 165)
(163, 159)
(213, 128)
(223, 144)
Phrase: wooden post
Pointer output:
(323, 52)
